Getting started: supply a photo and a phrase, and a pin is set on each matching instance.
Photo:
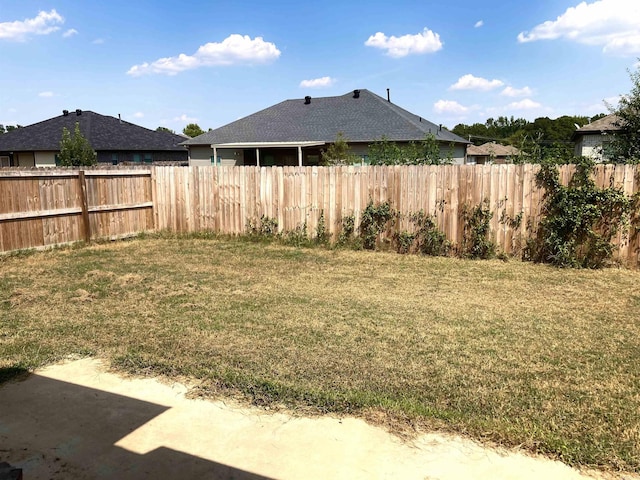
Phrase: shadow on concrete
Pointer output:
(58, 430)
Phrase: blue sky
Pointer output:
(168, 63)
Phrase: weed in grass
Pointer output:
(265, 227)
(347, 238)
(299, 237)
(323, 237)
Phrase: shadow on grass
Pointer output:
(13, 373)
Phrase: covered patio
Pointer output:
(271, 153)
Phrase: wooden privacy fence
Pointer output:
(50, 207)
(223, 199)
(42, 208)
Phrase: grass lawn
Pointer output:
(511, 352)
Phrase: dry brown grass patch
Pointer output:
(517, 353)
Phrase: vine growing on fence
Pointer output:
(426, 239)
(579, 220)
(476, 239)
(375, 220)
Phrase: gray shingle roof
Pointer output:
(604, 124)
(362, 119)
(492, 148)
(103, 133)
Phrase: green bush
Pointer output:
(375, 220)
(265, 227)
(426, 239)
(476, 240)
(322, 236)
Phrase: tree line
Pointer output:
(8, 128)
(542, 139)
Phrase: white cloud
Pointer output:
(185, 119)
(469, 82)
(612, 24)
(232, 50)
(526, 104)
(478, 24)
(318, 82)
(517, 92)
(138, 115)
(98, 41)
(449, 106)
(45, 94)
(420, 43)
(43, 24)
(69, 33)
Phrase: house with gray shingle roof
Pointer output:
(114, 140)
(294, 132)
(591, 140)
(491, 152)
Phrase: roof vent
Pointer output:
(78, 112)
(356, 94)
(307, 100)
(65, 112)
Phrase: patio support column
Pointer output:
(215, 155)
(257, 157)
(299, 155)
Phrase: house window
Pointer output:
(217, 162)
(114, 158)
(137, 158)
(5, 161)
(365, 160)
(57, 159)
(148, 158)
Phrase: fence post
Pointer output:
(86, 227)
(154, 198)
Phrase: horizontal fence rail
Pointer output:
(44, 208)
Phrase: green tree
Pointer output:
(165, 129)
(8, 128)
(429, 152)
(339, 152)
(425, 152)
(75, 151)
(384, 152)
(625, 144)
(192, 130)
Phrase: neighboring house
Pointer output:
(295, 132)
(491, 152)
(592, 139)
(114, 140)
